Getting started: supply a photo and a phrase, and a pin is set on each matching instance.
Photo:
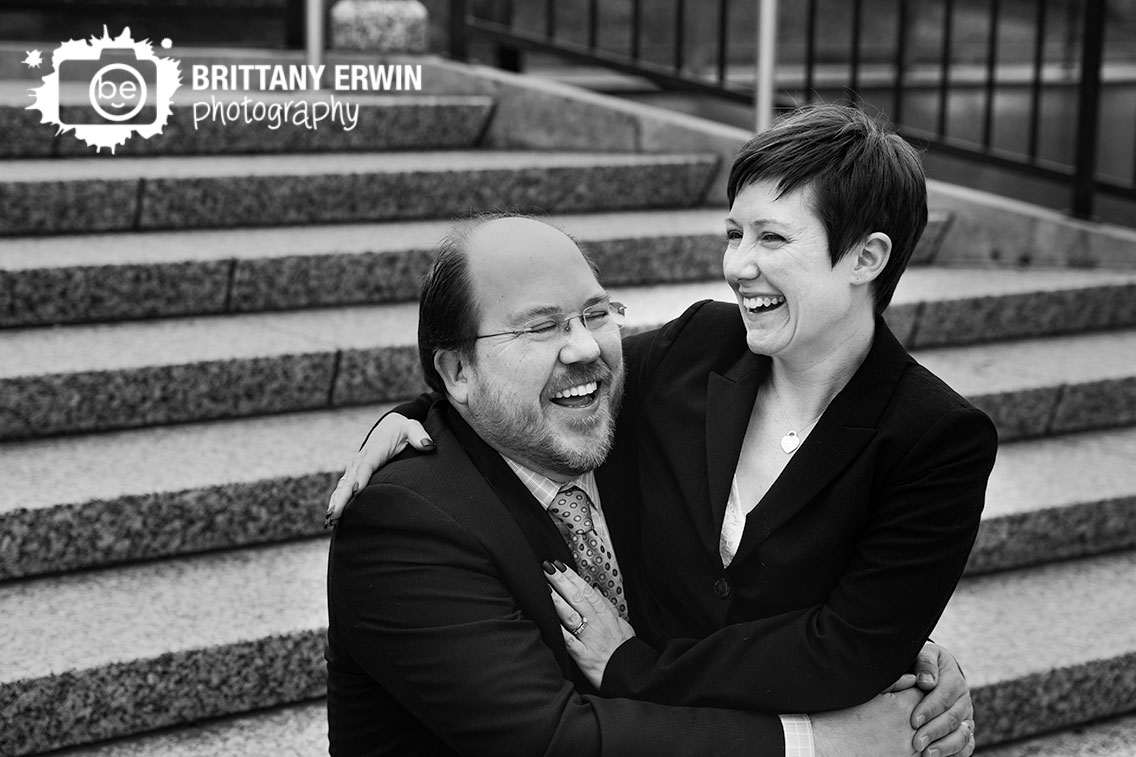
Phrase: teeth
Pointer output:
(753, 303)
(576, 391)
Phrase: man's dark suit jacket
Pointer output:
(844, 566)
(443, 639)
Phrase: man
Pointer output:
(443, 637)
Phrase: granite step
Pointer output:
(92, 656)
(301, 731)
(100, 377)
(124, 276)
(97, 655)
(1058, 498)
(1048, 647)
(99, 499)
(1115, 737)
(48, 196)
(206, 123)
(298, 730)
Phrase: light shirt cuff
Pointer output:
(798, 736)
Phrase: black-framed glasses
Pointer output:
(597, 319)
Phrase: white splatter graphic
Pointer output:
(129, 89)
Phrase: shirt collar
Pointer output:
(545, 489)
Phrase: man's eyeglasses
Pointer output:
(597, 319)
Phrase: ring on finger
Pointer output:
(580, 628)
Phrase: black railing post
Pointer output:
(294, 24)
(508, 56)
(900, 61)
(1088, 117)
(459, 39)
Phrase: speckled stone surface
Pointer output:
(91, 656)
(1046, 647)
(1024, 384)
(133, 374)
(328, 280)
(45, 405)
(938, 223)
(302, 189)
(93, 500)
(105, 293)
(99, 377)
(90, 500)
(1109, 738)
(399, 122)
(381, 26)
(24, 135)
(120, 276)
(376, 375)
(294, 731)
(534, 112)
(901, 318)
(1094, 404)
(964, 306)
(46, 206)
(533, 119)
(70, 278)
(988, 228)
(1057, 498)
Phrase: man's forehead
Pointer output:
(519, 265)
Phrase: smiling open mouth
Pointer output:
(577, 396)
(763, 304)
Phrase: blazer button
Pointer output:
(722, 588)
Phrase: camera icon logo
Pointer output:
(120, 89)
(120, 86)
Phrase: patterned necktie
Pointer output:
(572, 512)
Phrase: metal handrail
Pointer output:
(943, 136)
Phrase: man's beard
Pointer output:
(510, 426)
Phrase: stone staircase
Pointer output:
(194, 337)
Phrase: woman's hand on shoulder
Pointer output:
(390, 436)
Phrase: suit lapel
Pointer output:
(729, 400)
(844, 430)
(520, 511)
(538, 528)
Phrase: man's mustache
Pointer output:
(574, 375)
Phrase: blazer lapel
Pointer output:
(729, 400)
(844, 430)
(538, 528)
(521, 511)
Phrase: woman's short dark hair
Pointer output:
(864, 178)
(448, 316)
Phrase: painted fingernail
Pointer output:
(560, 566)
(548, 567)
(427, 443)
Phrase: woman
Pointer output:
(807, 493)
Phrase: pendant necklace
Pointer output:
(791, 441)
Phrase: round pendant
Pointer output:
(790, 442)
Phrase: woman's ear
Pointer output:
(452, 369)
(871, 258)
